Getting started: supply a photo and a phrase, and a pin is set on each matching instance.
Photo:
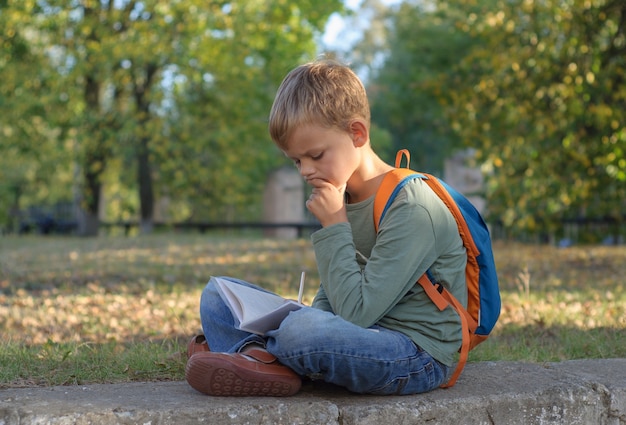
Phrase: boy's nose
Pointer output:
(306, 169)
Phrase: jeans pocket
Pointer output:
(424, 379)
(393, 387)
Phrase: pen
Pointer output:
(301, 291)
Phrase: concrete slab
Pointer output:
(575, 392)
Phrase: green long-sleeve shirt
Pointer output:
(370, 278)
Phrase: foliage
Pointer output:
(407, 91)
(537, 87)
(80, 310)
(164, 99)
(165, 103)
(34, 163)
(223, 155)
(544, 99)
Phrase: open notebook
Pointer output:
(254, 311)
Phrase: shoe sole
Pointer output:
(223, 375)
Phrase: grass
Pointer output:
(115, 309)
(70, 363)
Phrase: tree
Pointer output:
(117, 52)
(544, 97)
(537, 87)
(223, 152)
(33, 162)
(125, 73)
(408, 91)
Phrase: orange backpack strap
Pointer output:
(437, 293)
(400, 154)
(388, 187)
(442, 298)
(472, 270)
(390, 184)
(465, 344)
(468, 323)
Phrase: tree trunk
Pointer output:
(95, 159)
(146, 191)
(144, 168)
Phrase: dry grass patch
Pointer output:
(74, 310)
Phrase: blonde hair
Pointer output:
(324, 92)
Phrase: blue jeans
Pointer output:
(321, 345)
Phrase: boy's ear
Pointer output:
(359, 132)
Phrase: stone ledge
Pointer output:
(573, 392)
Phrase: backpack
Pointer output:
(483, 294)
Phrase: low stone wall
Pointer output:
(585, 392)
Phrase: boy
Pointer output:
(372, 329)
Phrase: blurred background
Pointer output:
(139, 115)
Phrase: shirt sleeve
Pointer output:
(321, 300)
(405, 248)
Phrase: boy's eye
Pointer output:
(318, 156)
(296, 162)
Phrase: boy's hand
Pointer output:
(326, 202)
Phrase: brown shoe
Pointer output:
(197, 344)
(253, 373)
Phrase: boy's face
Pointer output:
(320, 153)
